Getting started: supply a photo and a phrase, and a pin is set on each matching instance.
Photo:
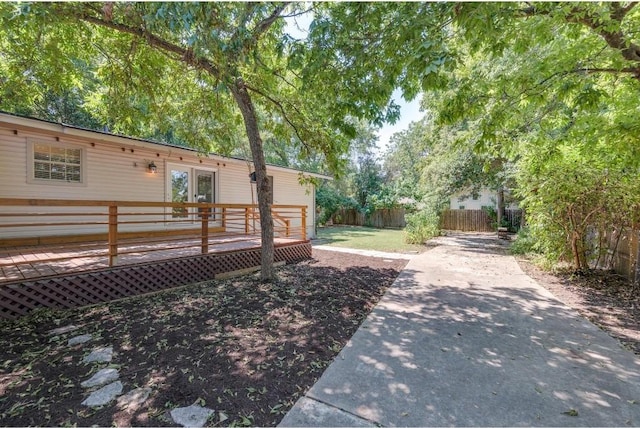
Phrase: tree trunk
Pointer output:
(243, 99)
(576, 251)
(500, 210)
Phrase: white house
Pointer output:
(46, 160)
(485, 197)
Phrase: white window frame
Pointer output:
(31, 179)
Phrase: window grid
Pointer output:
(57, 163)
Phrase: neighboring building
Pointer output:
(46, 160)
(485, 197)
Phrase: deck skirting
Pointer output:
(79, 289)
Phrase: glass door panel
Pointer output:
(205, 186)
(205, 189)
(179, 191)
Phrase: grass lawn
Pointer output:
(367, 238)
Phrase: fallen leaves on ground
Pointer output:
(246, 349)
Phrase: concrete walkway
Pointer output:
(465, 338)
(368, 253)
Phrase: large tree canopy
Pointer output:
(206, 70)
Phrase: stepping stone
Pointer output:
(79, 339)
(133, 399)
(101, 377)
(192, 416)
(63, 330)
(99, 355)
(103, 395)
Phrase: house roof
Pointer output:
(22, 122)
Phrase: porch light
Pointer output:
(252, 177)
(153, 169)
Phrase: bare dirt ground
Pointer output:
(604, 298)
(245, 349)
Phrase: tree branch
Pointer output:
(293, 15)
(618, 12)
(614, 39)
(282, 110)
(633, 70)
(268, 21)
(275, 73)
(185, 55)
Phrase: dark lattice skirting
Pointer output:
(81, 289)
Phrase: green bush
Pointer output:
(329, 200)
(421, 226)
(524, 243)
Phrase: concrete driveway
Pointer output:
(465, 338)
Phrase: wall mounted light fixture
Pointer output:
(252, 177)
(153, 169)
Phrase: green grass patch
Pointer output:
(367, 238)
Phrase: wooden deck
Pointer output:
(63, 254)
(29, 262)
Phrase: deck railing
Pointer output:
(114, 229)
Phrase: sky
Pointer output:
(409, 112)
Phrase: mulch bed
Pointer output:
(246, 349)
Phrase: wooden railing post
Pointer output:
(246, 220)
(204, 213)
(224, 217)
(304, 223)
(113, 235)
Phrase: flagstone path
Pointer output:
(104, 386)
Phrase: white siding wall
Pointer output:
(114, 174)
(235, 187)
(486, 197)
(288, 191)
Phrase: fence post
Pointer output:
(304, 223)
(246, 220)
(204, 213)
(113, 235)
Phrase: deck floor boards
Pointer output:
(25, 263)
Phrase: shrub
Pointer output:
(421, 226)
(524, 243)
(330, 200)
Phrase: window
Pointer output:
(56, 163)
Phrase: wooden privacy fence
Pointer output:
(466, 221)
(477, 220)
(382, 218)
(620, 251)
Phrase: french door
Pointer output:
(186, 184)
